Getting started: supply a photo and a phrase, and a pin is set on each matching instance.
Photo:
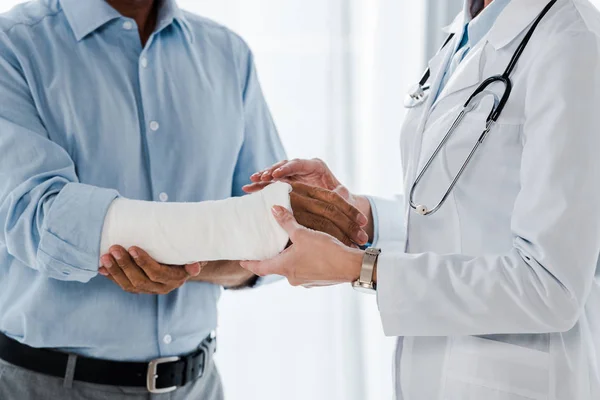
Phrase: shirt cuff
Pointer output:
(388, 221)
(70, 238)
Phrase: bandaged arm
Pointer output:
(239, 228)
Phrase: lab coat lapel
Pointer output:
(513, 20)
(467, 75)
(437, 65)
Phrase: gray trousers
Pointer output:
(20, 384)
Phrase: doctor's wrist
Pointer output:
(353, 264)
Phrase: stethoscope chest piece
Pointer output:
(415, 97)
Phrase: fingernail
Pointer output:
(193, 269)
(363, 237)
(362, 220)
(116, 254)
(276, 210)
(107, 264)
(277, 170)
(103, 272)
(134, 253)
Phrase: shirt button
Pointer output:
(167, 339)
(128, 25)
(163, 197)
(144, 62)
(154, 125)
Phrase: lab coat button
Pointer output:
(128, 25)
(167, 339)
(144, 62)
(154, 125)
(163, 197)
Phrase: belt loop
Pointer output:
(70, 372)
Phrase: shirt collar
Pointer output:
(170, 12)
(476, 28)
(481, 25)
(86, 16)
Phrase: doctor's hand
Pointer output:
(326, 211)
(310, 172)
(313, 173)
(314, 258)
(136, 272)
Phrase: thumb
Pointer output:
(273, 266)
(286, 220)
(194, 269)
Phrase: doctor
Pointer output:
(495, 295)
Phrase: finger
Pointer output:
(334, 198)
(257, 175)
(273, 266)
(132, 290)
(195, 268)
(286, 220)
(268, 174)
(297, 167)
(132, 271)
(320, 224)
(115, 273)
(156, 272)
(329, 214)
(255, 187)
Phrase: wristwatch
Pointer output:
(365, 282)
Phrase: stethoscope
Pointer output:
(419, 93)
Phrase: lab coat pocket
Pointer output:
(479, 368)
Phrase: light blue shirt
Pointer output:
(86, 115)
(475, 29)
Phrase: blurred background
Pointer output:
(334, 73)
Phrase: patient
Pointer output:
(125, 128)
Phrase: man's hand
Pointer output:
(326, 211)
(136, 272)
(313, 173)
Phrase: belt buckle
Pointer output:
(152, 375)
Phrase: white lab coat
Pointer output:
(497, 295)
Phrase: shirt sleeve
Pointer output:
(262, 146)
(542, 283)
(49, 220)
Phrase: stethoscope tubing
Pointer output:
(468, 106)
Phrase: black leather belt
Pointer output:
(162, 375)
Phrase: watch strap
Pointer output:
(368, 265)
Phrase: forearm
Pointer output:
(182, 233)
(228, 274)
